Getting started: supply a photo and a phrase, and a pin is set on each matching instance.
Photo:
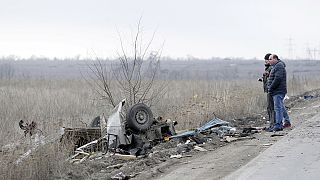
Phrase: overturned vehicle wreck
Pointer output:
(134, 132)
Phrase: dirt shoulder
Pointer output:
(221, 162)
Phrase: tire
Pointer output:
(95, 122)
(139, 117)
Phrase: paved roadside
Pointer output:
(296, 156)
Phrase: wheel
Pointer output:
(139, 117)
(95, 122)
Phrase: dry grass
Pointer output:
(49, 103)
(192, 103)
(46, 102)
(72, 103)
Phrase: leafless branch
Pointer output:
(133, 75)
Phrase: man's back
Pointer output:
(277, 82)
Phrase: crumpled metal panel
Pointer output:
(115, 126)
(210, 124)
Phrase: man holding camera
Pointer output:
(264, 80)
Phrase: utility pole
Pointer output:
(315, 53)
(318, 51)
(312, 53)
(308, 52)
(290, 48)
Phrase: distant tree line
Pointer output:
(7, 71)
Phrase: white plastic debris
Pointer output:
(178, 156)
(200, 148)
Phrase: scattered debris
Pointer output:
(29, 128)
(125, 157)
(267, 144)
(250, 144)
(273, 135)
(178, 156)
(200, 148)
(79, 137)
(25, 155)
(286, 97)
(36, 141)
(316, 106)
(223, 127)
(116, 166)
(252, 130)
(133, 135)
(120, 176)
(231, 139)
(183, 148)
(224, 131)
(308, 97)
(81, 152)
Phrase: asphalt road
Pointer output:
(296, 156)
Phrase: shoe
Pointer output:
(286, 125)
(277, 129)
(269, 129)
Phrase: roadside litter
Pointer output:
(231, 139)
(308, 97)
(140, 144)
(273, 135)
(252, 130)
(178, 156)
(215, 125)
(200, 148)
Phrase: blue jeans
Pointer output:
(280, 111)
(285, 115)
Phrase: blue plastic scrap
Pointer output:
(185, 134)
(210, 124)
(213, 123)
(308, 97)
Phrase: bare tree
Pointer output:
(100, 81)
(132, 76)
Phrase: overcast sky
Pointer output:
(203, 28)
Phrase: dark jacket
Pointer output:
(277, 81)
(265, 77)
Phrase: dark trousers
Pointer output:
(270, 110)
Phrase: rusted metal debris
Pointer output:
(28, 128)
(80, 136)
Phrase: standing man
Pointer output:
(264, 79)
(277, 88)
